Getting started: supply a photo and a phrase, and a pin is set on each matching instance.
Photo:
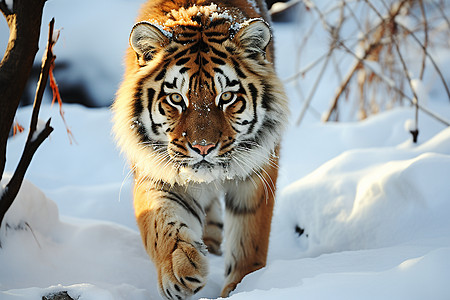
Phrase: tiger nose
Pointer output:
(203, 148)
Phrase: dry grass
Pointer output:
(389, 44)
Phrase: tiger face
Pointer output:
(202, 103)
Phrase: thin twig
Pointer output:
(443, 15)
(415, 131)
(313, 90)
(306, 69)
(341, 89)
(334, 43)
(430, 57)
(425, 42)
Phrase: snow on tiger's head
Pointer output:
(200, 101)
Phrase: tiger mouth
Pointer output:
(203, 165)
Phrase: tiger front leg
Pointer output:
(171, 229)
(248, 218)
(212, 233)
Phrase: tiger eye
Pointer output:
(176, 98)
(226, 96)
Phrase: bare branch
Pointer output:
(35, 137)
(425, 42)
(313, 90)
(402, 93)
(415, 131)
(373, 47)
(341, 89)
(429, 57)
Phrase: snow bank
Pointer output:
(369, 224)
(369, 198)
(42, 255)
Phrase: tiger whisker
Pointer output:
(266, 184)
(270, 158)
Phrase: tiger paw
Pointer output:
(185, 271)
(228, 289)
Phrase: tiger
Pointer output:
(199, 116)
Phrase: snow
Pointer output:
(372, 205)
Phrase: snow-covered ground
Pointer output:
(362, 212)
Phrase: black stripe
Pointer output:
(137, 105)
(219, 53)
(192, 279)
(232, 82)
(171, 85)
(213, 33)
(248, 144)
(171, 50)
(207, 75)
(224, 146)
(218, 21)
(181, 146)
(179, 154)
(237, 68)
(181, 53)
(218, 41)
(241, 110)
(216, 224)
(228, 270)
(150, 96)
(217, 70)
(267, 98)
(240, 209)
(181, 202)
(230, 49)
(217, 61)
(254, 94)
(161, 110)
(235, 129)
(184, 70)
(182, 61)
(193, 201)
(188, 34)
(204, 61)
(161, 74)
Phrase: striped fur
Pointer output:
(199, 115)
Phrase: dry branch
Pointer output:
(376, 75)
(24, 24)
(371, 50)
(35, 136)
(402, 93)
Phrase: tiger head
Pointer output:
(200, 101)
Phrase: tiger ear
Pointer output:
(146, 39)
(254, 35)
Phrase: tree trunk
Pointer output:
(24, 23)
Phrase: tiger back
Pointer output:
(199, 115)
